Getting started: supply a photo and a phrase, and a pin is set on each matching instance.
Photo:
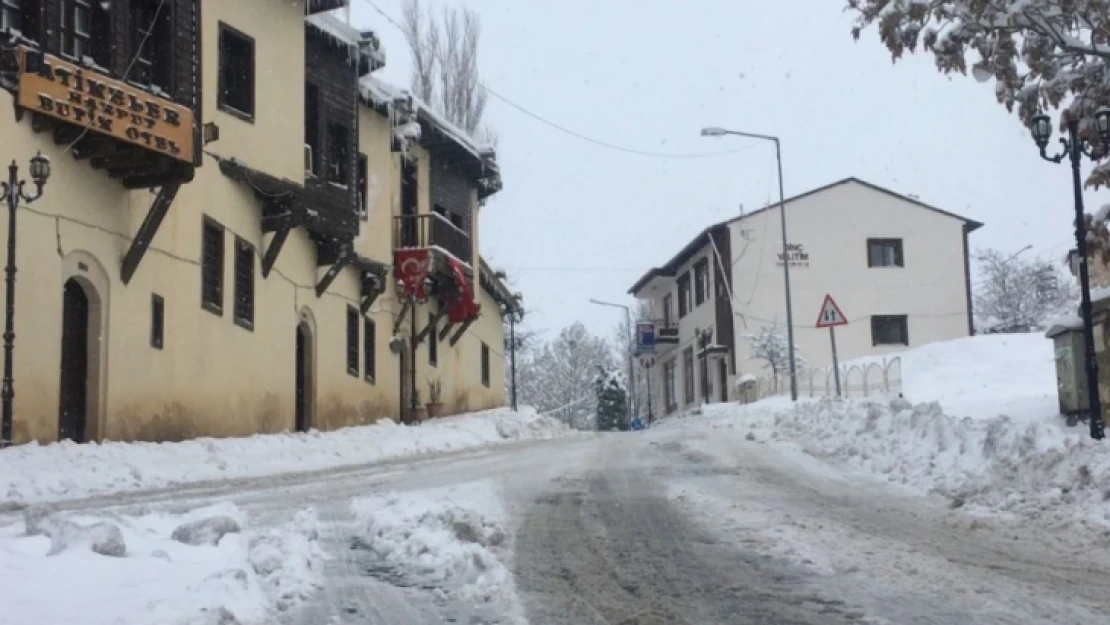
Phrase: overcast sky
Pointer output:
(577, 220)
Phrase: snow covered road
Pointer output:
(678, 526)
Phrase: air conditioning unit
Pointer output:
(309, 163)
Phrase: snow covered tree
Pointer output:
(772, 345)
(612, 399)
(622, 336)
(558, 377)
(1020, 295)
(1042, 53)
(445, 64)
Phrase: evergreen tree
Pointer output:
(612, 400)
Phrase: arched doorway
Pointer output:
(73, 395)
(304, 378)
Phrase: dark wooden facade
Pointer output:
(725, 333)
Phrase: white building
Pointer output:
(897, 267)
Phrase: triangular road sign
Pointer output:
(830, 314)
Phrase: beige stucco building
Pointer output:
(896, 267)
(213, 254)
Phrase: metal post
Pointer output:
(786, 278)
(412, 361)
(631, 364)
(12, 192)
(836, 361)
(512, 356)
(648, 364)
(1075, 149)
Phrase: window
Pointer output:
(688, 374)
(457, 221)
(212, 267)
(244, 284)
(701, 282)
(236, 94)
(885, 253)
(670, 397)
(433, 341)
(151, 27)
(684, 295)
(368, 340)
(485, 365)
(312, 127)
(85, 30)
(363, 186)
(352, 340)
(339, 150)
(17, 15)
(889, 330)
(668, 308)
(157, 320)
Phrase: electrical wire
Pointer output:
(568, 131)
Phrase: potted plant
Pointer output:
(435, 398)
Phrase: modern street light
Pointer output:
(12, 192)
(713, 131)
(631, 370)
(516, 315)
(1075, 148)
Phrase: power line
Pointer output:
(568, 131)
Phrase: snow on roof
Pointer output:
(343, 34)
(377, 92)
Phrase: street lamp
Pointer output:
(12, 191)
(705, 339)
(713, 131)
(516, 315)
(631, 370)
(1074, 149)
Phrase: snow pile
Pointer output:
(432, 539)
(149, 577)
(33, 473)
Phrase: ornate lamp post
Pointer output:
(648, 362)
(1074, 148)
(13, 191)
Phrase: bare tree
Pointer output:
(772, 346)
(1041, 53)
(445, 71)
(1020, 295)
(558, 377)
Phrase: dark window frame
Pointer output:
(243, 283)
(902, 322)
(485, 366)
(312, 125)
(353, 323)
(433, 342)
(212, 267)
(369, 350)
(231, 35)
(363, 186)
(157, 321)
(898, 252)
(339, 154)
(684, 296)
(701, 282)
(153, 64)
(670, 388)
(96, 42)
(15, 15)
(668, 309)
(689, 394)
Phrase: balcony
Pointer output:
(431, 230)
(666, 333)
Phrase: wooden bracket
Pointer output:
(401, 316)
(147, 230)
(333, 271)
(274, 247)
(372, 287)
(446, 330)
(431, 327)
(462, 330)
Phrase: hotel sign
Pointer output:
(110, 107)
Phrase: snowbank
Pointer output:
(452, 542)
(34, 473)
(244, 578)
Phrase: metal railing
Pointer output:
(431, 229)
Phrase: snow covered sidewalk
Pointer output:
(34, 473)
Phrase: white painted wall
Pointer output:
(833, 227)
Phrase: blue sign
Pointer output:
(645, 337)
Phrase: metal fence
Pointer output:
(860, 380)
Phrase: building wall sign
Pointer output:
(797, 255)
(80, 96)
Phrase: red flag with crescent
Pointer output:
(411, 267)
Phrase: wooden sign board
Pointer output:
(65, 91)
